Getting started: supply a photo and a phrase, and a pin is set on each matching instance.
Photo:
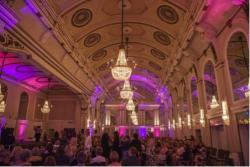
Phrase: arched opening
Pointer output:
(194, 92)
(210, 86)
(238, 62)
(23, 106)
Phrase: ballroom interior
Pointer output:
(173, 68)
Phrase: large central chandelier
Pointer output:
(126, 92)
(121, 71)
(130, 105)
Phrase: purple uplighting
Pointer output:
(142, 132)
(96, 94)
(157, 131)
(122, 131)
(22, 126)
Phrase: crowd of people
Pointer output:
(100, 150)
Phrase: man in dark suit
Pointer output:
(132, 159)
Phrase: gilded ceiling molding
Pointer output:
(167, 14)
(9, 42)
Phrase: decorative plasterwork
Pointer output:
(7, 41)
(81, 17)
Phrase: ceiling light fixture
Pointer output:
(121, 71)
(46, 106)
(126, 92)
(130, 105)
(214, 102)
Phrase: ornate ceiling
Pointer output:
(151, 26)
(165, 38)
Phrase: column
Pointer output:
(202, 104)
(231, 131)
(156, 118)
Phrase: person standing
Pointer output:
(38, 133)
(87, 142)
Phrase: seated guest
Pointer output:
(50, 161)
(4, 158)
(36, 159)
(24, 158)
(132, 159)
(15, 154)
(61, 157)
(136, 142)
(81, 158)
(49, 151)
(99, 160)
(114, 159)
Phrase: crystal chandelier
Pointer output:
(214, 102)
(121, 71)
(130, 105)
(46, 107)
(134, 118)
(126, 92)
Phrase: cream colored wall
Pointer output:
(69, 118)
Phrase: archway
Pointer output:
(238, 62)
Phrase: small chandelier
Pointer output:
(46, 106)
(126, 92)
(121, 71)
(130, 105)
(214, 102)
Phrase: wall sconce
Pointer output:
(169, 125)
(225, 115)
(173, 125)
(179, 121)
(202, 118)
(88, 123)
(189, 120)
